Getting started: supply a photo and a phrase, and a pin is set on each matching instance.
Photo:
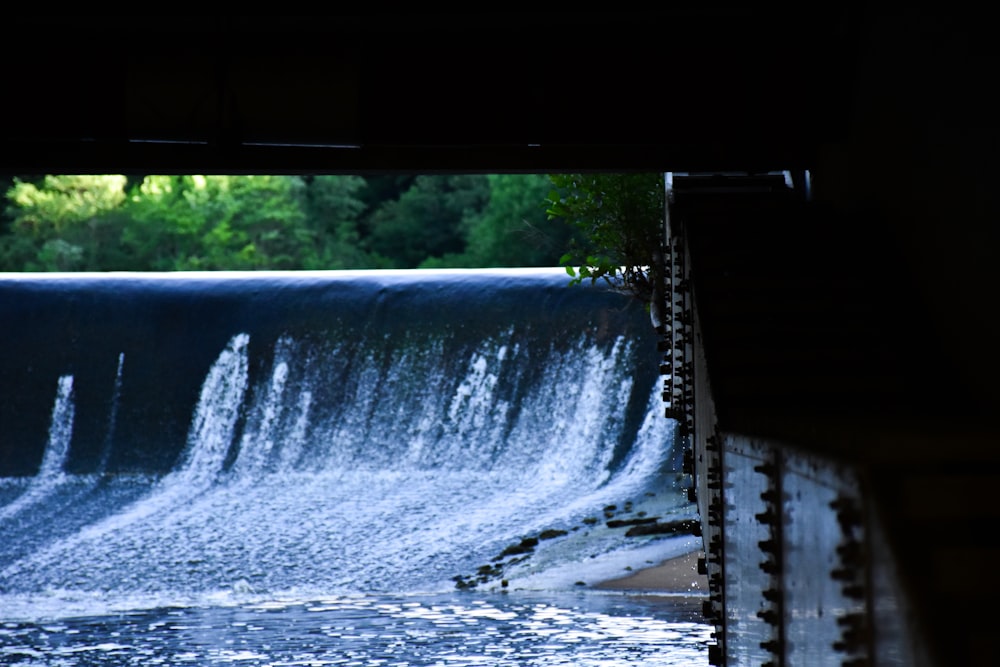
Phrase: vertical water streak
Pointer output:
(357, 436)
(274, 436)
(579, 417)
(51, 472)
(475, 414)
(214, 422)
(654, 450)
(294, 444)
(259, 435)
(112, 416)
(60, 433)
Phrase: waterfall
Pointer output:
(51, 473)
(335, 432)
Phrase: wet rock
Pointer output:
(621, 523)
(686, 526)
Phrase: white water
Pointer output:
(313, 506)
(51, 473)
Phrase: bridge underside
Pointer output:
(842, 341)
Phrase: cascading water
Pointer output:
(298, 436)
(50, 472)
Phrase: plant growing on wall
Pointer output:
(621, 220)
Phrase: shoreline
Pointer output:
(673, 576)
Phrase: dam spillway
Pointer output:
(183, 436)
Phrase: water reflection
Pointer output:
(460, 629)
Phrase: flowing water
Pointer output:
(344, 468)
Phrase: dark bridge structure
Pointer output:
(832, 351)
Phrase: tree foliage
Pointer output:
(333, 210)
(427, 219)
(219, 222)
(514, 229)
(620, 217)
(66, 223)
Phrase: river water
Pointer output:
(337, 468)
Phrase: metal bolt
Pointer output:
(770, 516)
(768, 616)
(772, 646)
(770, 546)
(768, 469)
(770, 567)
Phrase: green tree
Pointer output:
(170, 223)
(267, 224)
(67, 223)
(621, 220)
(333, 217)
(219, 223)
(380, 188)
(170, 215)
(426, 221)
(513, 229)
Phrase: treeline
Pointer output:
(281, 222)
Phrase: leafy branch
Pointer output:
(620, 218)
